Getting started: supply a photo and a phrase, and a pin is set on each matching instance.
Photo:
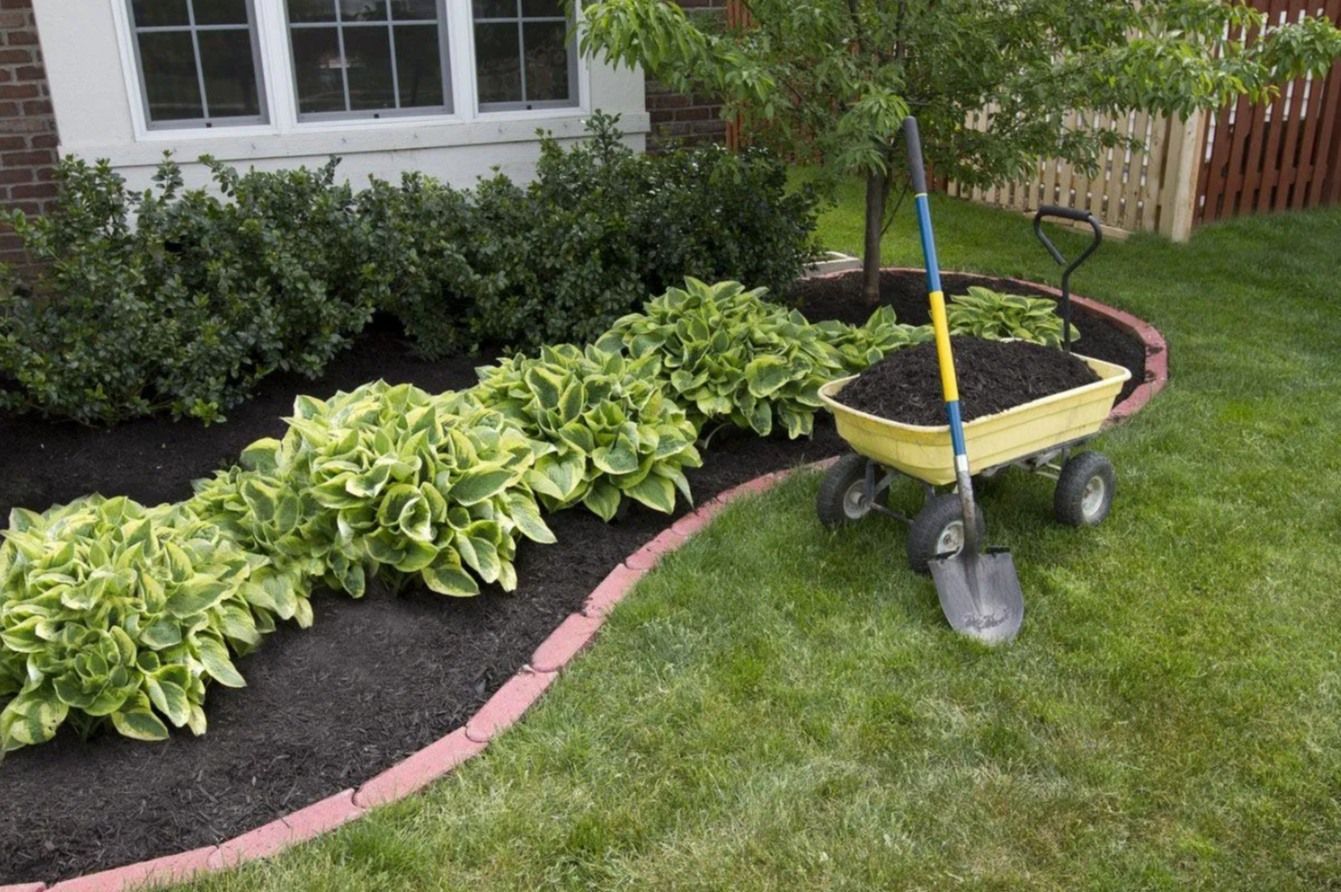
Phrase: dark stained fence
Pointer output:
(1282, 155)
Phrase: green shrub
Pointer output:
(597, 230)
(613, 433)
(176, 299)
(727, 354)
(110, 611)
(985, 313)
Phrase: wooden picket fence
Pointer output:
(1281, 155)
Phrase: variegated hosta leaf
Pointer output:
(726, 354)
(383, 478)
(609, 431)
(985, 313)
(111, 611)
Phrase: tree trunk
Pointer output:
(877, 189)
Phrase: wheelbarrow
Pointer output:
(1043, 437)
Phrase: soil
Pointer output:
(839, 297)
(371, 682)
(993, 376)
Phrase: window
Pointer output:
(524, 54)
(198, 62)
(367, 58)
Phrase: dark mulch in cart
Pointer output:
(839, 297)
(325, 709)
(992, 376)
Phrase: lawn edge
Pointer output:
(526, 687)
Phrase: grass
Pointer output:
(781, 707)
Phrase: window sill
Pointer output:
(251, 143)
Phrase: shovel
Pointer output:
(978, 588)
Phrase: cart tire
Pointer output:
(842, 498)
(1084, 492)
(939, 528)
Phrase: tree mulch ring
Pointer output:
(993, 376)
(840, 297)
(373, 680)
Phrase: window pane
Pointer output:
(497, 62)
(495, 9)
(318, 69)
(368, 51)
(220, 12)
(546, 61)
(230, 73)
(170, 76)
(547, 8)
(419, 66)
(363, 10)
(311, 10)
(151, 13)
(426, 10)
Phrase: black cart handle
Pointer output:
(1052, 210)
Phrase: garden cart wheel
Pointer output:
(938, 529)
(1084, 490)
(842, 495)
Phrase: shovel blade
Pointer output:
(980, 594)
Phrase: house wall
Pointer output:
(27, 125)
(678, 118)
(94, 85)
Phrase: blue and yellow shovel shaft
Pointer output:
(939, 322)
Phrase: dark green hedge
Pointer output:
(179, 300)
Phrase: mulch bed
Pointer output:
(372, 681)
(992, 376)
(839, 297)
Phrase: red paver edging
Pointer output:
(523, 689)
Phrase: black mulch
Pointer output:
(372, 681)
(839, 297)
(992, 376)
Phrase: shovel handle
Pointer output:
(941, 326)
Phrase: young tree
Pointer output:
(833, 79)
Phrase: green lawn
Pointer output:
(781, 707)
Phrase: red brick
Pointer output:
(25, 38)
(19, 91)
(611, 591)
(15, 56)
(16, 159)
(508, 705)
(414, 773)
(565, 642)
(37, 108)
(37, 190)
(16, 175)
(166, 871)
(304, 824)
(44, 141)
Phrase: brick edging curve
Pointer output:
(523, 689)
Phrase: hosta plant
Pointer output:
(613, 432)
(114, 612)
(985, 313)
(861, 346)
(391, 477)
(729, 355)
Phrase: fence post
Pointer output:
(1181, 190)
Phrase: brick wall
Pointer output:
(678, 118)
(27, 125)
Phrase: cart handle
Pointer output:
(1052, 210)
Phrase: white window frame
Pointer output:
(279, 92)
